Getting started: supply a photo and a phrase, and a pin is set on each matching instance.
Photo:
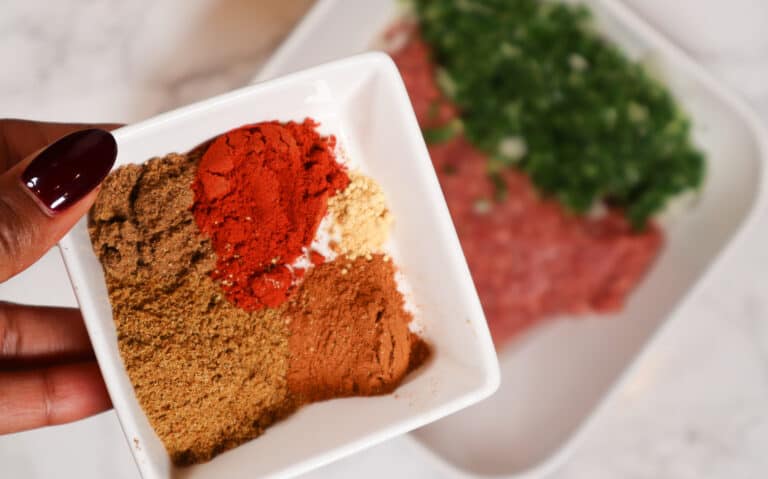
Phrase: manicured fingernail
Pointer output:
(69, 169)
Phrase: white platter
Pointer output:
(555, 378)
(362, 100)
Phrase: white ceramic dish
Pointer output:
(555, 378)
(363, 101)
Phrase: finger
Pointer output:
(55, 395)
(21, 138)
(44, 195)
(37, 332)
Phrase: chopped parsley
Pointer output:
(441, 134)
(540, 90)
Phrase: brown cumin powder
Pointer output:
(207, 374)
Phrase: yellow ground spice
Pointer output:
(361, 215)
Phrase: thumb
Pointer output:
(44, 195)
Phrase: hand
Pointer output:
(47, 371)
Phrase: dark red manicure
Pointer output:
(70, 168)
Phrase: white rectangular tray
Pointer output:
(556, 378)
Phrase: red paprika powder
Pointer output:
(261, 191)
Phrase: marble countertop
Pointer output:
(697, 407)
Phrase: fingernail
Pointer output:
(67, 170)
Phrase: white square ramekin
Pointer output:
(363, 102)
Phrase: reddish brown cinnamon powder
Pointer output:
(349, 332)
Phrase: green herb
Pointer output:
(538, 89)
(441, 134)
(434, 111)
(500, 186)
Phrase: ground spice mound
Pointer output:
(349, 332)
(208, 375)
(260, 193)
(362, 217)
(529, 257)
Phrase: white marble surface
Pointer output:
(697, 407)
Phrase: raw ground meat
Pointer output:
(529, 257)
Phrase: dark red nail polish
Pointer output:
(70, 168)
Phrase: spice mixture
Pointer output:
(530, 255)
(215, 359)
